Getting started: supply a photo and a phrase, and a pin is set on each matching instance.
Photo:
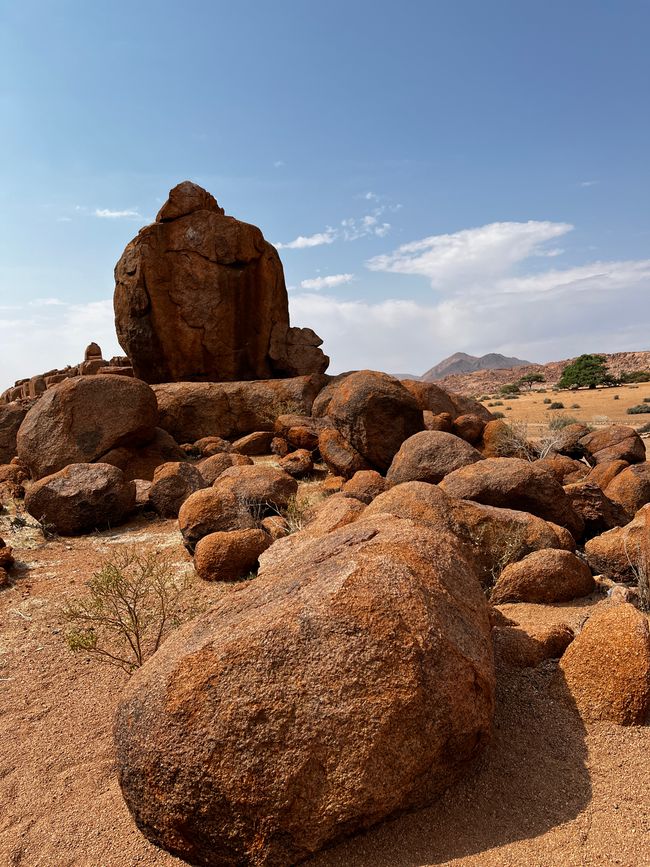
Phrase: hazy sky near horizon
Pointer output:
(453, 175)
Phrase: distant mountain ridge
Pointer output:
(461, 363)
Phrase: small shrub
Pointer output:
(636, 376)
(575, 406)
(547, 400)
(638, 409)
(514, 396)
(541, 390)
(646, 399)
(511, 388)
(490, 404)
(484, 397)
(498, 403)
(617, 397)
(508, 407)
(557, 404)
(645, 428)
(559, 422)
(498, 414)
(132, 604)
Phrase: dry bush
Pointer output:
(133, 602)
(640, 566)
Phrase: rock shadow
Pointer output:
(532, 778)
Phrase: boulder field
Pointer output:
(372, 542)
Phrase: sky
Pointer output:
(438, 176)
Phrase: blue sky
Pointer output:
(439, 176)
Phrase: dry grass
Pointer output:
(597, 407)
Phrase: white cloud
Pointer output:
(304, 241)
(116, 215)
(486, 300)
(588, 183)
(470, 257)
(47, 302)
(38, 339)
(329, 282)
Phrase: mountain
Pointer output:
(460, 362)
(478, 382)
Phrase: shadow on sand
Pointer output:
(531, 778)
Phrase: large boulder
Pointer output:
(213, 511)
(350, 681)
(435, 399)
(81, 497)
(623, 554)
(513, 483)
(375, 414)
(141, 462)
(11, 418)
(191, 411)
(341, 458)
(631, 487)
(429, 456)
(614, 443)
(229, 556)
(200, 296)
(549, 575)
(83, 418)
(598, 511)
(606, 669)
(495, 536)
(172, 484)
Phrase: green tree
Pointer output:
(512, 388)
(587, 371)
(530, 378)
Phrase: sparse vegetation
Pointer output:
(498, 414)
(635, 376)
(529, 379)
(640, 566)
(559, 422)
(556, 404)
(547, 400)
(133, 602)
(639, 409)
(511, 388)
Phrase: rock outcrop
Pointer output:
(351, 680)
(200, 296)
(81, 497)
(82, 419)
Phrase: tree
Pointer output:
(530, 378)
(587, 371)
(512, 388)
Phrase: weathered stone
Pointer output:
(469, 428)
(598, 511)
(602, 474)
(172, 484)
(81, 497)
(429, 456)
(613, 443)
(365, 486)
(229, 556)
(297, 464)
(606, 670)
(623, 553)
(631, 488)
(565, 469)
(339, 456)
(340, 730)
(141, 462)
(82, 419)
(513, 483)
(212, 467)
(495, 536)
(375, 414)
(200, 296)
(544, 576)
(11, 418)
(254, 444)
(190, 411)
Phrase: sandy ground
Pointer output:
(547, 792)
(595, 407)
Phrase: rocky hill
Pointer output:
(481, 382)
(461, 362)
